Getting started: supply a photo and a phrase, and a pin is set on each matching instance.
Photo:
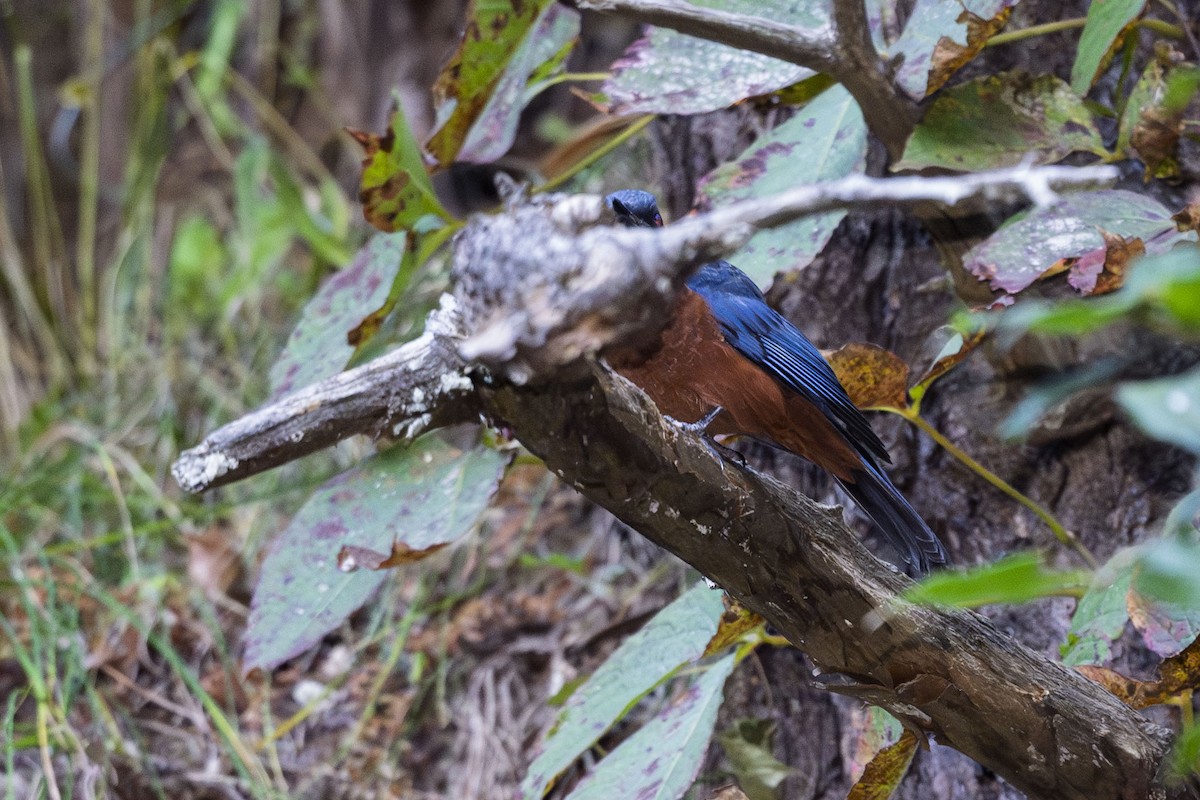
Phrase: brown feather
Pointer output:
(695, 370)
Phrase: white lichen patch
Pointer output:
(199, 468)
(411, 428)
(452, 382)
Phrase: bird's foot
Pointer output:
(724, 452)
(701, 427)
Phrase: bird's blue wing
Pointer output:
(765, 337)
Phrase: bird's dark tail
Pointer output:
(903, 526)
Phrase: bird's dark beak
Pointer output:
(624, 215)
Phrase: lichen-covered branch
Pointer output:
(568, 286)
(414, 388)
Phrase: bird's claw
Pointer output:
(700, 426)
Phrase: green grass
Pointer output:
(129, 328)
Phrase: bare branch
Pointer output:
(845, 52)
(889, 115)
(808, 48)
(418, 386)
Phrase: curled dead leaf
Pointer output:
(949, 56)
(873, 376)
(736, 621)
(352, 557)
(1103, 270)
(1178, 674)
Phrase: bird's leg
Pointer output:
(701, 427)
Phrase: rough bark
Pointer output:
(1047, 730)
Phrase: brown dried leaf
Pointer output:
(1155, 137)
(352, 557)
(872, 376)
(729, 791)
(1189, 218)
(1103, 270)
(885, 771)
(949, 56)
(735, 623)
(213, 561)
(1180, 673)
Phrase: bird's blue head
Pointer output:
(635, 208)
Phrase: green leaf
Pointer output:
(1167, 569)
(1001, 121)
(748, 747)
(661, 760)
(932, 25)
(426, 494)
(265, 230)
(677, 635)
(1018, 578)
(1186, 753)
(826, 140)
(540, 55)
(317, 347)
(317, 232)
(671, 73)
(1166, 408)
(197, 257)
(495, 34)
(395, 190)
(1105, 21)
(1023, 251)
(1101, 614)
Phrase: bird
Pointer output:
(728, 364)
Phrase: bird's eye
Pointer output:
(658, 220)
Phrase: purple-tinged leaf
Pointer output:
(495, 33)
(1166, 628)
(667, 72)
(941, 36)
(826, 140)
(661, 760)
(528, 72)
(317, 347)
(1024, 250)
(426, 494)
